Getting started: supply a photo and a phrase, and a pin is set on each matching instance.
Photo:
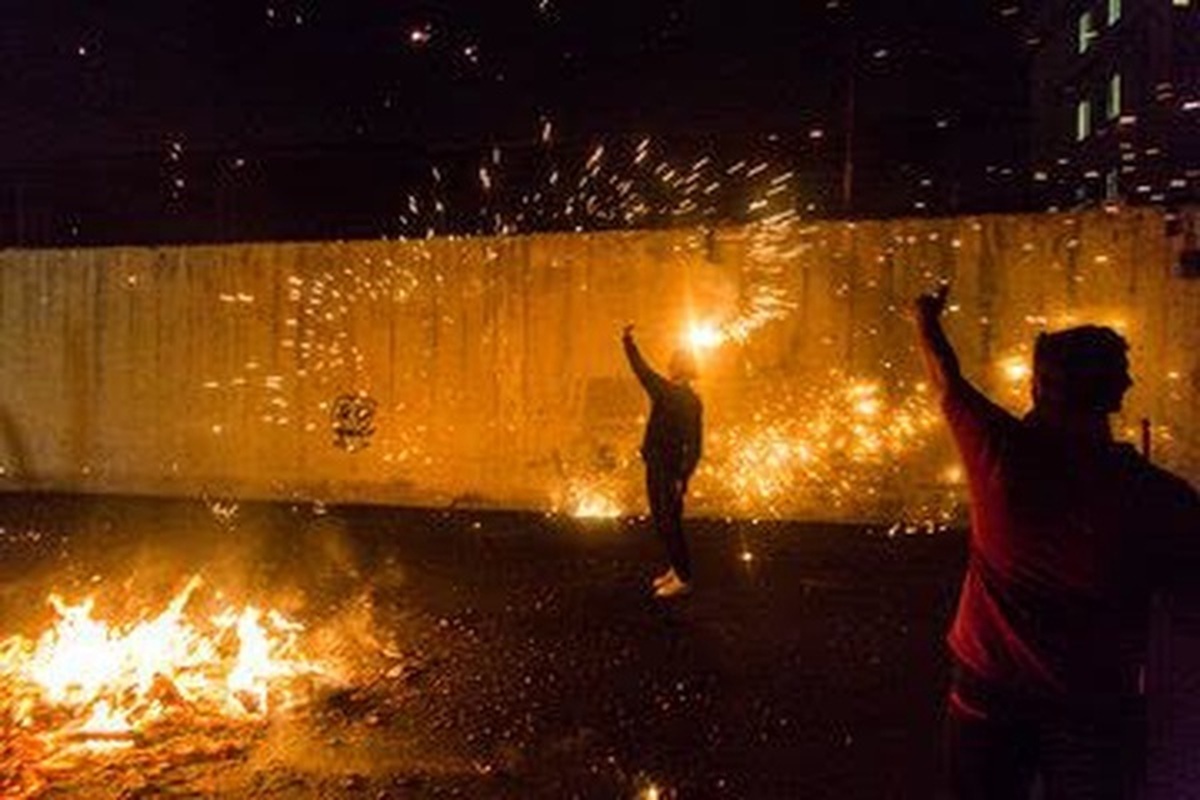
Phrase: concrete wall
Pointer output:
(495, 374)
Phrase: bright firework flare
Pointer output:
(596, 506)
(703, 336)
(590, 500)
(85, 683)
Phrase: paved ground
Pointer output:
(506, 655)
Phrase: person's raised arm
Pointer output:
(651, 381)
(941, 362)
(978, 424)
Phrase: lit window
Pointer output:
(1086, 31)
(1114, 11)
(1114, 96)
(1083, 120)
(1181, 3)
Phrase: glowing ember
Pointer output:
(1015, 369)
(87, 679)
(651, 792)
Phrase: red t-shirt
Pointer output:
(1068, 541)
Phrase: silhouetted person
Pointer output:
(671, 450)
(1071, 533)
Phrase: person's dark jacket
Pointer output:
(673, 433)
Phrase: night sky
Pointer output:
(236, 119)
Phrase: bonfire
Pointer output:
(87, 688)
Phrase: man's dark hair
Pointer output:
(1081, 369)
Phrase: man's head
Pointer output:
(682, 367)
(1082, 370)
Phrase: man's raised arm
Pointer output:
(651, 381)
(941, 362)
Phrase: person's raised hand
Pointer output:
(627, 331)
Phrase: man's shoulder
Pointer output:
(1173, 485)
(1150, 477)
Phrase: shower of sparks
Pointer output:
(320, 339)
(834, 450)
(767, 296)
(838, 445)
(819, 451)
(617, 183)
(772, 251)
(325, 356)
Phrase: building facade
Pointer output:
(1116, 102)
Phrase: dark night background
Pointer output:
(226, 120)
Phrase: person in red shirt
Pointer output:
(1071, 534)
(671, 449)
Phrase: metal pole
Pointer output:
(848, 160)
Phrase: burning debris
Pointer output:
(89, 688)
(587, 502)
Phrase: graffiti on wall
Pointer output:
(352, 418)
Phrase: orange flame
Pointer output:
(114, 680)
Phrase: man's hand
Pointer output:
(930, 306)
(940, 359)
(627, 331)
